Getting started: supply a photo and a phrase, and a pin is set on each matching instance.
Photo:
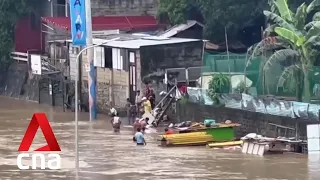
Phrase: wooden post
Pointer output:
(297, 129)
(39, 91)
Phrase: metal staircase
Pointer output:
(48, 68)
(164, 105)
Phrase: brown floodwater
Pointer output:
(105, 155)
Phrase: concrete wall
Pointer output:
(112, 86)
(159, 58)
(104, 7)
(124, 7)
(155, 59)
(251, 122)
(18, 83)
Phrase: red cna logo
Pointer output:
(39, 120)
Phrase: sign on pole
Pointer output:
(78, 22)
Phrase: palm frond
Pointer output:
(265, 45)
(276, 19)
(313, 5)
(270, 29)
(286, 75)
(273, 7)
(290, 35)
(283, 9)
(316, 16)
(314, 30)
(281, 55)
(313, 41)
(300, 16)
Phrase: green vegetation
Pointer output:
(219, 83)
(295, 45)
(217, 14)
(10, 12)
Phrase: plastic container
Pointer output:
(209, 122)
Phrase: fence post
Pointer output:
(39, 91)
(241, 101)
(63, 94)
(51, 91)
(187, 76)
(297, 130)
(308, 110)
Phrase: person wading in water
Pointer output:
(139, 138)
(116, 122)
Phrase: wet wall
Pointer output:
(251, 122)
(16, 83)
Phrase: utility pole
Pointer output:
(66, 7)
(92, 76)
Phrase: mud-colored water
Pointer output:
(105, 155)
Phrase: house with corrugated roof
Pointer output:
(122, 65)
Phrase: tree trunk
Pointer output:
(306, 86)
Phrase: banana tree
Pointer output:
(295, 43)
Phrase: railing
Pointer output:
(259, 104)
(49, 66)
(279, 127)
(19, 56)
(184, 74)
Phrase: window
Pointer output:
(61, 2)
(132, 57)
(117, 59)
(60, 8)
(108, 57)
(99, 59)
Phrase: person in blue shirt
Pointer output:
(139, 138)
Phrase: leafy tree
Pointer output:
(295, 42)
(10, 12)
(216, 14)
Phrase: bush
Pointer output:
(220, 83)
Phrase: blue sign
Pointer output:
(78, 22)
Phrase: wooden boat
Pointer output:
(194, 138)
(200, 136)
(197, 127)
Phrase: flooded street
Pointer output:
(104, 155)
